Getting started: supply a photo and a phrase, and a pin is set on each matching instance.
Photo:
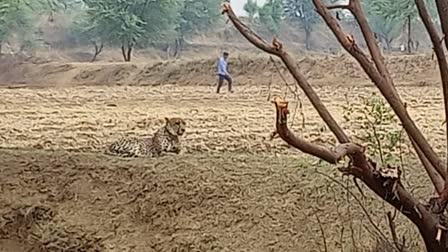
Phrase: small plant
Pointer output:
(377, 126)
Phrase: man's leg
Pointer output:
(229, 81)
(220, 83)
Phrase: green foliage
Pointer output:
(16, 17)
(19, 18)
(397, 10)
(86, 29)
(386, 30)
(251, 8)
(387, 17)
(377, 126)
(198, 15)
(271, 15)
(128, 23)
(394, 10)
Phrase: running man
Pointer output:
(222, 72)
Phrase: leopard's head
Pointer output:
(175, 126)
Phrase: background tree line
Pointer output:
(144, 23)
(119, 23)
(388, 18)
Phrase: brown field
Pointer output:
(230, 190)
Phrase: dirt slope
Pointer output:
(247, 70)
(82, 202)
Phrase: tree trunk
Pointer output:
(388, 43)
(307, 38)
(98, 50)
(126, 51)
(129, 53)
(179, 46)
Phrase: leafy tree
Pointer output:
(195, 16)
(19, 18)
(16, 18)
(271, 15)
(251, 7)
(303, 12)
(132, 23)
(399, 12)
(87, 29)
(385, 29)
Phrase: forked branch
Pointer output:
(277, 49)
(331, 156)
(384, 181)
(441, 58)
(379, 75)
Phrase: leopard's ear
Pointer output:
(167, 120)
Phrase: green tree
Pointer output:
(385, 29)
(17, 18)
(271, 15)
(197, 16)
(303, 12)
(399, 12)
(86, 29)
(251, 8)
(132, 23)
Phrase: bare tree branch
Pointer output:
(441, 59)
(385, 184)
(435, 177)
(442, 8)
(276, 49)
(339, 6)
(369, 36)
(248, 33)
(383, 181)
(381, 79)
(321, 152)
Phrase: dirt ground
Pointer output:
(230, 190)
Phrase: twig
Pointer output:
(321, 231)
(269, 87)
(394, 232)
(383, 236)
(283, 77)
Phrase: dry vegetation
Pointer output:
(232, 190)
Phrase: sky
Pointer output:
(237, 6)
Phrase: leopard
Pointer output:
(166, 139)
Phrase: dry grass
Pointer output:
(232, 190)
(87, 118)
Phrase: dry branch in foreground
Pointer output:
(383, 180)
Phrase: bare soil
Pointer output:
(231, 189)
(246, 69)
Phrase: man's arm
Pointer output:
(225, 66)
(220, 66)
